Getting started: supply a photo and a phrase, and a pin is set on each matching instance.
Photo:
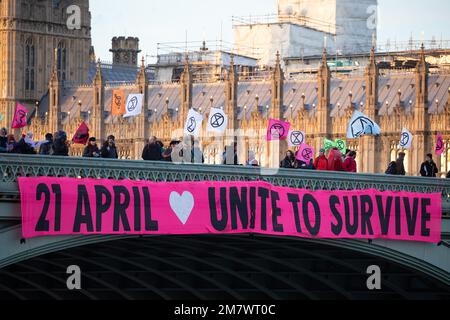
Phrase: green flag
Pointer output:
(329, 144)
(338, 143)
(341, 145)
(1, 117)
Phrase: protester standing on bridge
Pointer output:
(226, 156)
(46, 147)
(3, 140)
(10, 143)
(350, 164)
(22, 147)
(152, 151)
(252, 162)
(400, 164)
(429, 168)
(109, 150)
(321, 162)
(289, 161)
(335, 160)
(197, 154)
(167, 154)
(91, 150)
(60, 146)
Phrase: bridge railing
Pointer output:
(14, 166)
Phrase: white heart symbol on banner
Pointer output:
(182, 205)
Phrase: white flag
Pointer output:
(406, 139)
(296, 138)
(134, 105)
(218, 121)
(361, 125)
(193, 123)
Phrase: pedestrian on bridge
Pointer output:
(335, 160)
(109, 149)
(429, 168)
(350, 164)
(152, 151)
(46, 148)
(60, 146)
(3, 140)
(91, 150)
(289, 161)
(321, 162)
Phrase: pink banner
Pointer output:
(20, 117)
(66, 206)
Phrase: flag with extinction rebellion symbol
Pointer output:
(193, 124)
(218, 121)
(20, 117)
(406, 139)
(440, 147)
(278, 130)
(306, 153)
(133, 106)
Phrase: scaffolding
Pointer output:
(303, 21)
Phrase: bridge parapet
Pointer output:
(429, 258)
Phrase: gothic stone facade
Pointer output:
(321, 106)
(30, 31)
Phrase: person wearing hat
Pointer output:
(321, 162)
(91, 150)
(60, 147)
(109, 150)
(429, 168)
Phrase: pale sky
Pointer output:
(169, 20)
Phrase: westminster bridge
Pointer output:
(214, 267)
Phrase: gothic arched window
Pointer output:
(62, 61)
(30, 64)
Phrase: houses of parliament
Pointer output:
(53, 72)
